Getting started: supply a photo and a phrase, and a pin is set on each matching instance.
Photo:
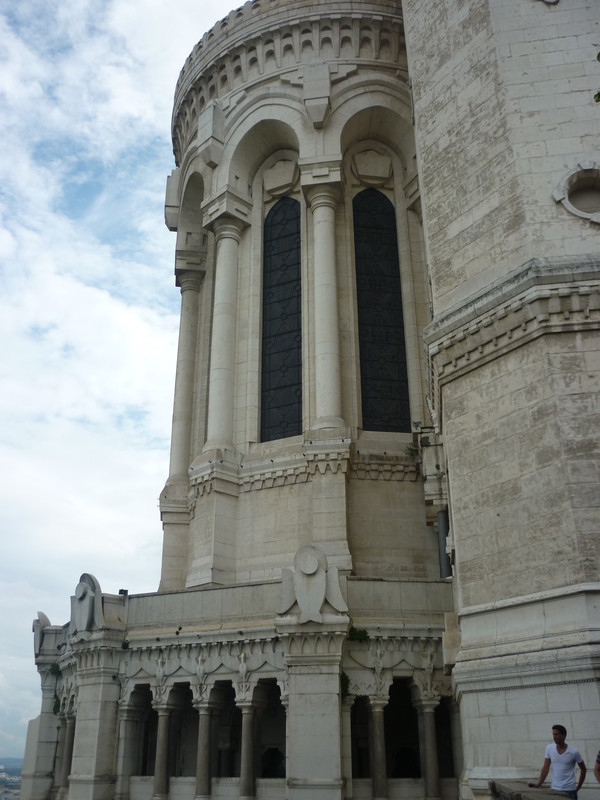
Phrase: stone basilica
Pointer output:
(380, 573)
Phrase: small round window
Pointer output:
(579, 192)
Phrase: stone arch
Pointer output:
(190, 235)
(385, 123)
(227, 731)
(254, 141)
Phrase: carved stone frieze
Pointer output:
(309, 645)
(372, 666)
(201, 664)
(380, 467)
(553, 299)
(267, 473)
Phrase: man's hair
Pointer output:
(560, 728)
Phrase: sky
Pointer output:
(88, 307)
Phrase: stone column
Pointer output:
(347, 703)
(426, 707)
(189, 283)
(60, 750)
(203, 766)
(379, 778)
(126, 750)
(222, 357)
(456, 732)
(161, 778)
(247, 754)
(68, 751)
(323, 202)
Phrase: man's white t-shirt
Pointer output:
(563, 767)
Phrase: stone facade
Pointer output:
(380, 562)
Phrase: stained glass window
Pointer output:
(281, 394)
(384, 380)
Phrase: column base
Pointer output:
(328, 422)
(315, 789)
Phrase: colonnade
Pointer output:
(207, 766)
(208, 707)
(425, 707)
(131, 731)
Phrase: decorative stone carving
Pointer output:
(211, 126)
(86, 605)
(38, 626)
(372, 168)
(544, 295)
(310, 584)
(281, 178)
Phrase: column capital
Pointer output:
(378, 702)
(162, 709)
(227, 206)
(425, 701)
(226, 227)
(204, 706)
(322, 194)
(189, 279)
(246, 706)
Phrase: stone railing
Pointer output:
(520, 790)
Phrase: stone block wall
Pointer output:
(503, 110)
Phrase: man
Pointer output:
(597, 768)
(562, 757)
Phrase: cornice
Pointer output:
(380, 467)
(250, 46)
(290, 469)
(543, 297)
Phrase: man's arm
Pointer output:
(544, 774)
(597, 769)
(582, 774)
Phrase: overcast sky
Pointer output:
(88, 307)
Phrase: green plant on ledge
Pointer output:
(344, 685)
(357, 634)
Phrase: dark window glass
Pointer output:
(384, 381)
(281, 395)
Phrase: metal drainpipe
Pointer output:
(443, 528)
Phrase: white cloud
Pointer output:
(88, 307)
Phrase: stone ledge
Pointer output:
(519, 790)
(542, 297)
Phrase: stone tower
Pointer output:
(508, 143)
(380, 561)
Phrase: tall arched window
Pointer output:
(384, 380)
(281, 393)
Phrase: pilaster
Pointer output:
(313, 654)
